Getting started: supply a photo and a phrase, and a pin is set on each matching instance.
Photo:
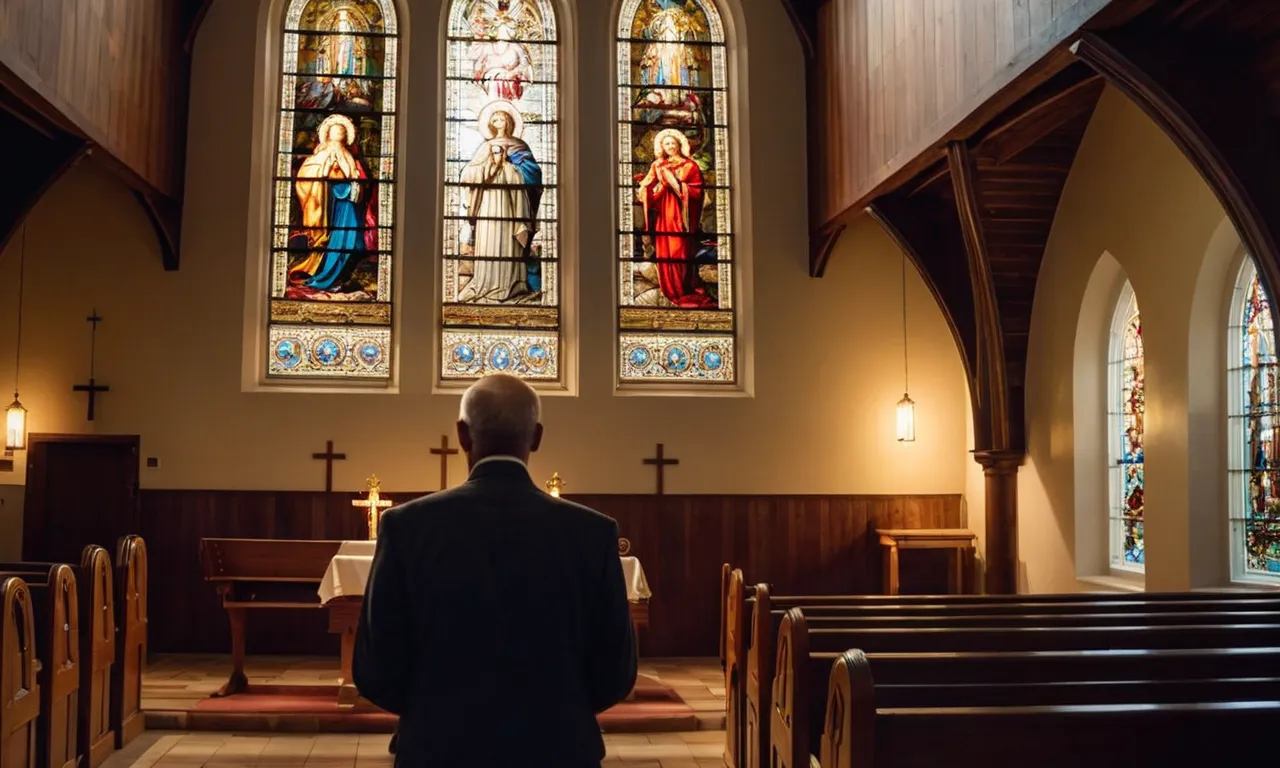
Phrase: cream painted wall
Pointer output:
(1133, 207)
(827, 352)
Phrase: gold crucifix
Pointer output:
(555, 485)
(374, 504)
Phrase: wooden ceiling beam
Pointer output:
(804, 20)
(196, 11)
(1041, 117)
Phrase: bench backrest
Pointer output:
(131, 645)
(266, 560)
(858, 735)
(19, 689)
(97, 649)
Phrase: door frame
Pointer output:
(33, 517)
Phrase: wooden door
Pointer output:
(81, 489)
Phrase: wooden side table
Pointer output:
(963, 542)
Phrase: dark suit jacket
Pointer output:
(496, 624)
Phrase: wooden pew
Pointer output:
(738, 630)
(96, 739)
(804, 657)
(262, 574)
(57, 637)
(19, 689)
(754, 698)
(860, 734)
(131, 639)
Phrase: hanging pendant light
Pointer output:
(906, 407)
(15, 416)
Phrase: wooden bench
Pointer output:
(737, 629)
(262, 574)
(19, 669)
(95, 738)
(131, 639)
(861, 733)
(56, 615)
(756, 705)
(805, 656)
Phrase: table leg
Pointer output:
(891, 571)
(348, 696)
(238, 682)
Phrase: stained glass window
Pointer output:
(501, 249)
(1128, 407)
(675, 290)
(331, 242)
(1255, 431)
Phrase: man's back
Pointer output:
(496, 625)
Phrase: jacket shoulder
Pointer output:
(585, 515)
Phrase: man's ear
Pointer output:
(464, 436)
(537, 438)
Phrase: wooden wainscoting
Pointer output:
(809, 544)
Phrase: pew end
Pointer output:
(848, 729)
(759, 676)
(19, 687)
(788, 718)
(95, 739)
(735, 648)
(131, 639)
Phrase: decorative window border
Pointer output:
(266, 111)
(1238, 464)
(727, 17)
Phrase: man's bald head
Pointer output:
(500, 415)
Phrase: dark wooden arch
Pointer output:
(1220, 122)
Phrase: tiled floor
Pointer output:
(158, 749)
(178, 682)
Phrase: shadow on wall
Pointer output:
(11, 497)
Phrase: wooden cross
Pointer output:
(329, 457)
(93, 387)
(444, 452)
(661, 463)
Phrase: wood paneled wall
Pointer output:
(892, 78)
(114, 68)
(810, 544)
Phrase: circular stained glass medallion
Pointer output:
(327, 351)
(464, 354)
(370, 352)
(500, 357)
(712, 359)
(537, 356)
(289, 352)
(676, 358)
(639, 357)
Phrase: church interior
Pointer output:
(864, 340)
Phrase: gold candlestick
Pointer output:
(555, 485)
(374, 504)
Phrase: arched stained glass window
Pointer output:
(1255, 432)
(334, 199)
(501, 273)
(675, 248)
(1127, 388)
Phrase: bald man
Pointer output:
(495, 622)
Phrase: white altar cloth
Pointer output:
(348, 572)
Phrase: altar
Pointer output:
(342, 593)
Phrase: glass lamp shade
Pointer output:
(15, 432)
(906, 420)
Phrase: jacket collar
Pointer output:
(500, 468)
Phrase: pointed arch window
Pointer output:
(330, 302)
(676, 319)
(1254, 432)
(1127, 398)
(501, 255)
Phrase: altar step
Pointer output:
(656, 708)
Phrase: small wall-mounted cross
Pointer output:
(661, 463)
(444, 452)
(93, 387)
(329, 457)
